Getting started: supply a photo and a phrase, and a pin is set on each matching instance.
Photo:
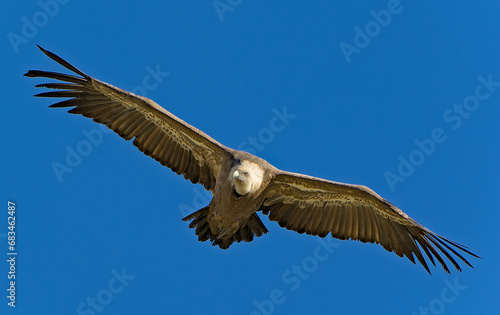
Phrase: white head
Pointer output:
(246, 177)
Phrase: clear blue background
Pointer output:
(120, 209)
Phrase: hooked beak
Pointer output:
(236, 174)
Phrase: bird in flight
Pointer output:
(243, 184)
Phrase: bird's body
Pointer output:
(243, 184)
(229, 208)
(238, 194)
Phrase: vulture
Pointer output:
(243, 184)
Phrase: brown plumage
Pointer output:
(242, 184)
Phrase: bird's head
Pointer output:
(246, 177)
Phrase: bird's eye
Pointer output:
(245, 173)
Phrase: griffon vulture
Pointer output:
(241, 183)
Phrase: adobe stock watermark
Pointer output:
(31, 26)
(94, 137)
(293, 277)
(116, 285)
(150, 81)
(252, 144)
(76, 153)
(201, 198)
(265, 135)
(448, 295)
(453, 117)
(363, 36)
(221, 7)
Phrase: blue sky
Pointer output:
(397, 100)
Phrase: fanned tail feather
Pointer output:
(246, 233)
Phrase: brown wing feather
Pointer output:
(156, 132)
(318, 207)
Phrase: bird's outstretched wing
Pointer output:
(156, 132)
(318, 207)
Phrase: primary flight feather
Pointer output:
(243, 184)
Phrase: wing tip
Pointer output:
(33, 73)
(30, 74)
(60, 61)
(40, 47)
